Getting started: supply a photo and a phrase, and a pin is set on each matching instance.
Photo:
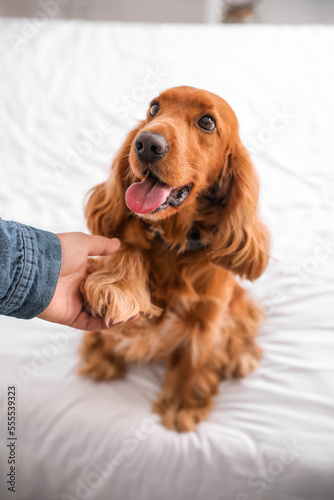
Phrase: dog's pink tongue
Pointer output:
(145, 196)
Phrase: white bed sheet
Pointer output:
(270, 436)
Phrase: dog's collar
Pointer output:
(194, 241)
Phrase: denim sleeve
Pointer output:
(30, 262)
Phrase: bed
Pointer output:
(69, 92)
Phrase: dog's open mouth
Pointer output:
(151, 195)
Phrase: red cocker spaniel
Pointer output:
(183, 198)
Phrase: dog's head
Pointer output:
(183, 164)
(179, 151)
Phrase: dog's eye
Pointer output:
(154, 110)
(207, 123)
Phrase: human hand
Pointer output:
(66, 306)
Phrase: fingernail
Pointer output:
(116, 241)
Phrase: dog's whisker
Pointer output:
(193, 163)
(127, 173)
(124, 157)
(189, 168)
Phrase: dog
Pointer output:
(182, 197)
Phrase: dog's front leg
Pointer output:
(193, 371)
(116, 287)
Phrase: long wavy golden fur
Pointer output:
(193, 312)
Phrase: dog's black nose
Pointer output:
(150, 147)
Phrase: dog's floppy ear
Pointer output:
(241, 242)
(106, 208)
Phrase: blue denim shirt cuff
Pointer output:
(30, 263)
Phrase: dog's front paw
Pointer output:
(109, 301)
(178, 418)
(101, 368)
(98, 360)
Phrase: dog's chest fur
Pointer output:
(173, 275)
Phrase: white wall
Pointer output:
(296, 11)
(116, 10)
(269, 11)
